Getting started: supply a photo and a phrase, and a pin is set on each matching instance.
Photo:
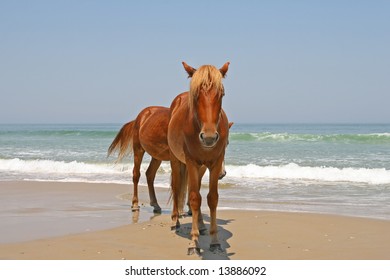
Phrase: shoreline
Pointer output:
(39, 210)
(97, 224)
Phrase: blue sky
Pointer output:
(103, 61)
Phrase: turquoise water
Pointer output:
(339, 169)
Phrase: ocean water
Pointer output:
(320, 168)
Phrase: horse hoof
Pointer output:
(192, 251)
(157, 210)
(135, 208)
(182, 215)
(175, 226)
(216, 248)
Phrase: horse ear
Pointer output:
(190, 70)
(231, 124)
(224, 69)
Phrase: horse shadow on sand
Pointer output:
(204, 240)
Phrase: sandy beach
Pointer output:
(42, 220)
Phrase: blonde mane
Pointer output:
(204, 79)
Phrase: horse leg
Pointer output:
(223, 171)
(202, 171)
(195, 203)
(138, 155)
(176, 168)
(150, 176)
(202, 227)
(212, 201)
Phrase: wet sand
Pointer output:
(41, 220)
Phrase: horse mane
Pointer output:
(204, 79)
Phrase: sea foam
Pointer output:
(370, 138)
(289, 171)
(50, 166)
(295, 172)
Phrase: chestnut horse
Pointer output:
(198, 135)
(147, 133)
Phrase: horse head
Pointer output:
(206, 92)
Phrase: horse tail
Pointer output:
(182, 190)
(123, 141)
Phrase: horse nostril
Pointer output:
(208, 140)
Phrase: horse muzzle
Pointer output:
(208, 140)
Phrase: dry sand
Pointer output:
(90, 221)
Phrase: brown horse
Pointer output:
(197, 135)
(147, 133)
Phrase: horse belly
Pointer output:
(157, 150)
(153, 136)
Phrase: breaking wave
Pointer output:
(370, 138)
(111, 172)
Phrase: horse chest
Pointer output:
(201, 155)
